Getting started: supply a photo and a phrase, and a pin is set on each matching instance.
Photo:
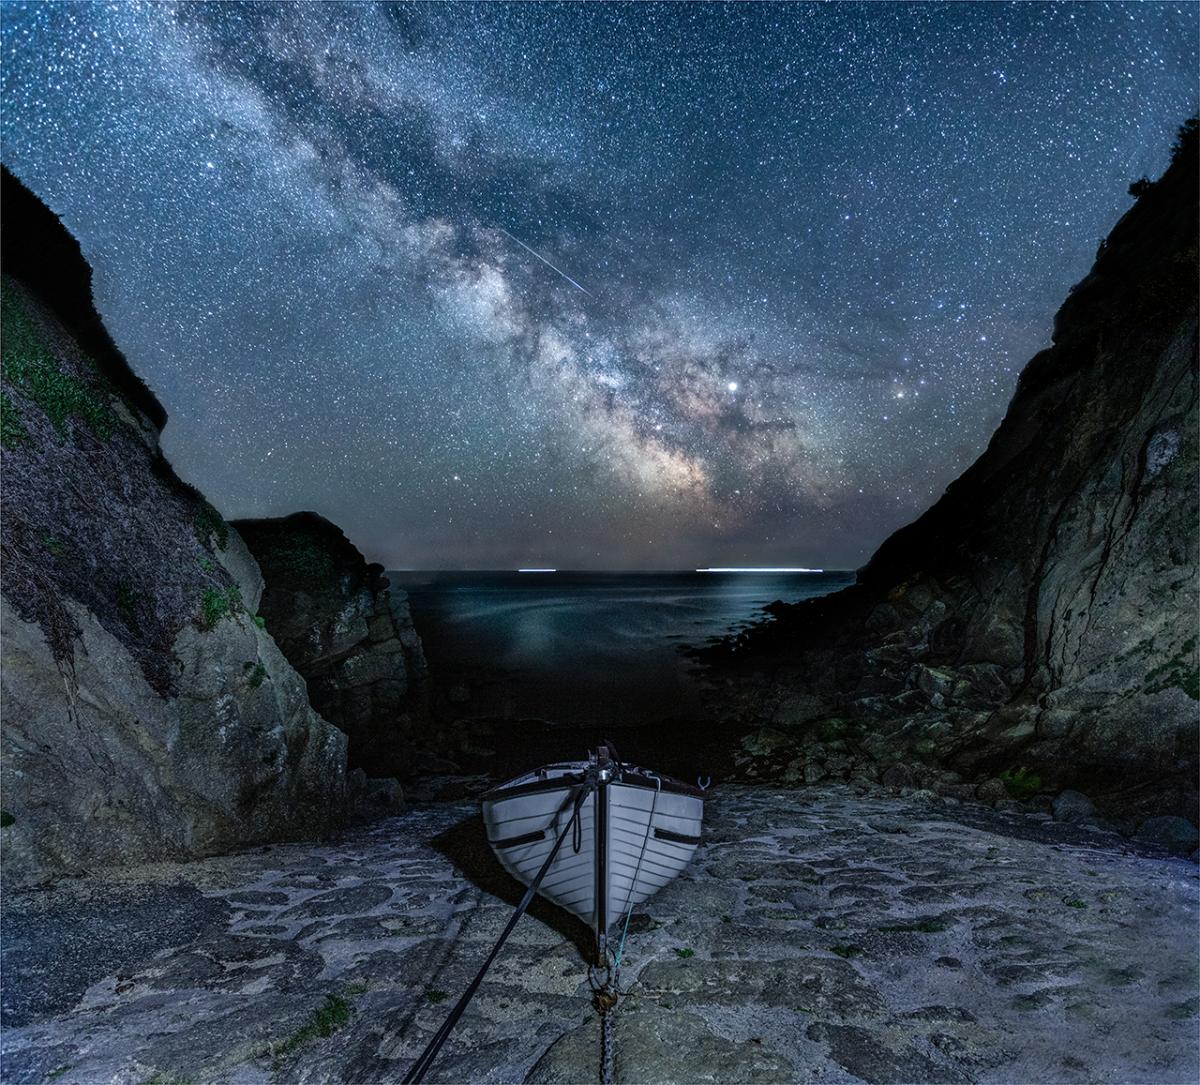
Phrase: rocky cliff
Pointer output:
(347, 632)
(1040, 621)
(147, 713)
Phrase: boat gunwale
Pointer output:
(632, 778)
(553, 783)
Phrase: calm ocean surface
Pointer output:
(585, 648)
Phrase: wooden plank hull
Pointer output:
(658, 826)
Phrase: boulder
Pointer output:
(1178, 835)
(794, 772)
(883, 619)
(986, 682)
(766, 742)
(1073, 806)
(992, 791)
(796, 710)
(838, 766)
(865, 770)
(372, 798)
(933, 681)
(897, 775)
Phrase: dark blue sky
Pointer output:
(592, 286)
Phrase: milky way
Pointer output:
(778, 267)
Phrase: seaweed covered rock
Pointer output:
(347, 632)
(1041, 617)
(145, 713)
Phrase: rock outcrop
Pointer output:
(147, 713)
(1040, 621)
(347, 632)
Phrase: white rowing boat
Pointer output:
(631, 831)
(635, 832)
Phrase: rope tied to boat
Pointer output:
(638, 869)
(607, 990)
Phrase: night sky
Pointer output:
(588, 286)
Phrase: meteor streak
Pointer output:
(545, 261)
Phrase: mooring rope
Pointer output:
(637, 871)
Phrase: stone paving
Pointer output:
(820, 935)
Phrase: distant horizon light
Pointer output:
(765, 569)
(537, 570)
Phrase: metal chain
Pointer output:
(608, 1051)
(605, 994)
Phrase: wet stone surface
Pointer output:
(818, 935)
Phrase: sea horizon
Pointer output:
(672, 571)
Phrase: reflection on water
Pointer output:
(585, 648)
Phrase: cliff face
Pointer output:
(349, 634)
(146, 712)
(1043, 614)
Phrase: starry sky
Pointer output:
(590, 286)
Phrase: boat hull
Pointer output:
(647, 829)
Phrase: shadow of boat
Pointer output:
(465, 845)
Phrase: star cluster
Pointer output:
(588, 286)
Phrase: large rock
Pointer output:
(146, 714)
(992, 791)
(347, 632)
(1042, 613)
(1178, 835)
(1073, 806)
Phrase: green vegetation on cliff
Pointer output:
(30, 366)
(210, 527)
(13, 433)
(216, 604)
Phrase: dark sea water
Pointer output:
(585, 649)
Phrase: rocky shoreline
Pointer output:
(838, 752)
(842, 934)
